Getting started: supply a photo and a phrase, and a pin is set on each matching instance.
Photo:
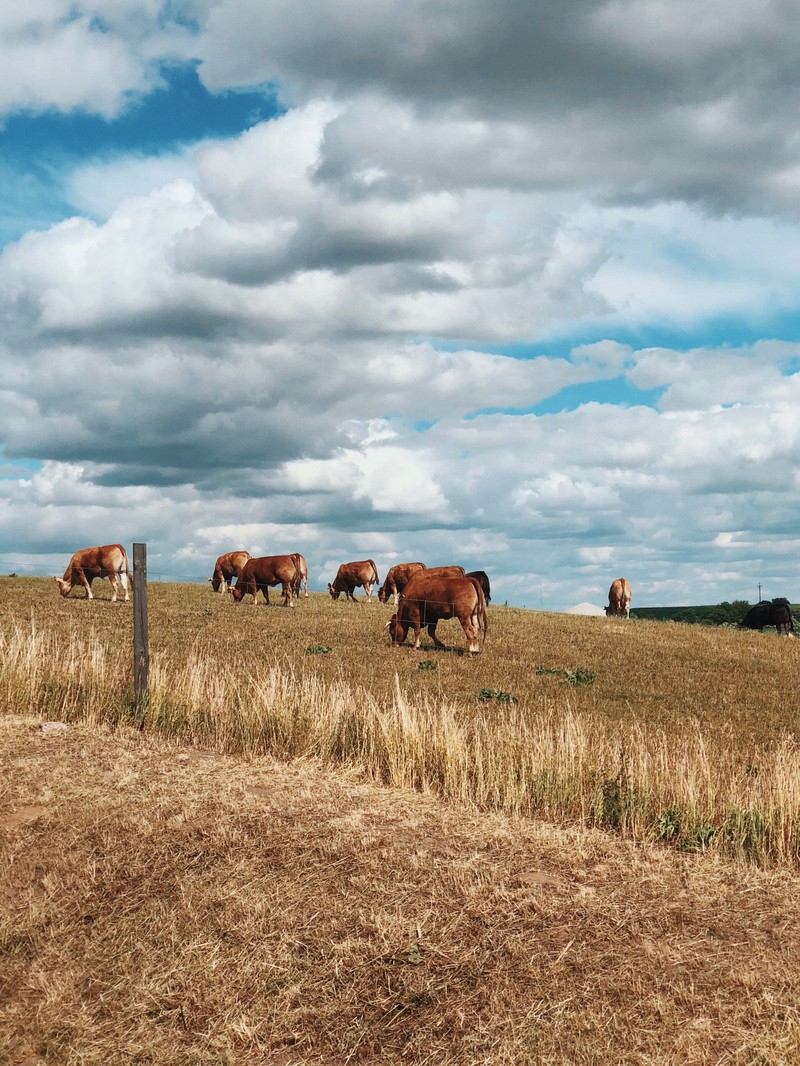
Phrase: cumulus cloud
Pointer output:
(62, 56)
(612, 97)
(348, 330)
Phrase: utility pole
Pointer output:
(759, 592)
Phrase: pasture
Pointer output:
(654, 730)
(577, 847)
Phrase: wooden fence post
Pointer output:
(141, 647)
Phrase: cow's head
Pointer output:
(383, 594)
(64, 587)
(397, 629)
(334, 592)
(237, 591)
(214, 582)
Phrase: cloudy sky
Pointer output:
(513, 285)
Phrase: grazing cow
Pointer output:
(396, 580)
(483, 580)
(350, 575)
(302, 574)
(775, 612)
(619, 598)
(226, 568)
(109, 560)
(261, 573)
(428, 598)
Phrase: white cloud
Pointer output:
(299, 337)
(64, 55)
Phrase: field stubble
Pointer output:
(657, 731)
(234, 878)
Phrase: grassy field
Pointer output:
(657, 731)
(579, 846)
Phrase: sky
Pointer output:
(511, 285)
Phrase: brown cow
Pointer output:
(108, 560)
(350, 575)
(428, 598)
(302, 574)
(226, 568)
(263, 572)
(619, 598)
(396, 580)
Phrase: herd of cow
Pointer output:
(423, 595)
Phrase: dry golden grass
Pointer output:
(227, 878)
(658, 731)
(164, 905)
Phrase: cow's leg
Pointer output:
(86, 584)
(288, 601)
(124, 579)
(368, 590)
(431, 627)
(112, 578)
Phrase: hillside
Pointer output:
(580, 846)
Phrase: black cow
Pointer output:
(776, 613)
(483, 580)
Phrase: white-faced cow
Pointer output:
(777, 612)
(302, 574)
(108, 560)
(350, 575)
(429, 598)
(483, 580)
(396, 580)
(259, 574)
(226, 568)
(619, 598)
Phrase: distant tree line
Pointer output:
(723, 614)
(720, 614)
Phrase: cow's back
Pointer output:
(446, 571)
(440, 592)
(397, 577)
(271, 569)
(102, 560)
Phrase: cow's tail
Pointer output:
(479, 614)
(484, 621)
(375, 579)
(127, 569)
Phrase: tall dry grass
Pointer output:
(652, 730)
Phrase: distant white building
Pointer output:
(586, 608)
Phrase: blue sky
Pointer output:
(515, 289)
